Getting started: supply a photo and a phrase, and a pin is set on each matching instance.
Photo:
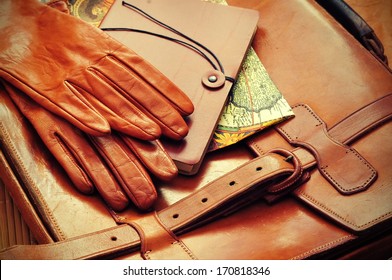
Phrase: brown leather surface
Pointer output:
(302, 64)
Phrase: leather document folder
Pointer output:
(212, 30)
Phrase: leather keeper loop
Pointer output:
(157, 241)
(307, 130)
(293, 178)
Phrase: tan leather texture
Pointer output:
(89, 65)
(312, 60)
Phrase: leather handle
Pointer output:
(357, 26)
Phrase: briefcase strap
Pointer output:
(258, 173)
(357, 26)
(269, 174)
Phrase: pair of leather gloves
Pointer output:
(98, 106)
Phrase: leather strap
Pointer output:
(252, 176)
(257, 173)
(94, 245)
(337, 137)
(261, 170)
(357, 26)
(363, 120)
(157, 241)
(307, 130)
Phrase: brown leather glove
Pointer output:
(117, 166)
(81, 74)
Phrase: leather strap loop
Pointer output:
(308, 130)
(298, 171)
(345, 132)
(157, 241)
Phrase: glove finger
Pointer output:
(42, 124)
(73, 152)
(83, 156)
(121, 114)
(129, 172)
(66, 103)
(154, 157)
(164, 86)
(37, 52)
(148, 97)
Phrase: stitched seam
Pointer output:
(81, 171)
(324, 169)
(256, 147)
(307, 109)
(311, 112)
(31, 182)
(329, 210)
(321, 248)
(179, 243)
(72, 87)
(185, 249)
(370, 178)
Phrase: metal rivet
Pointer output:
(212, 78)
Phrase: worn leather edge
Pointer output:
(23, 202)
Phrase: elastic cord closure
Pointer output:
(212, 79)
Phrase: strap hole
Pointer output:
(259, 168)
(232, 183)
(204, 200)
(113, 238)
(175, 216)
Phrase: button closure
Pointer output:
(213, 79)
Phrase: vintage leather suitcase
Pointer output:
(316, 186)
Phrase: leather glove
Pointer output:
(84, 76)
(117, 166)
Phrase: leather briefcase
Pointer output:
(316, 186)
